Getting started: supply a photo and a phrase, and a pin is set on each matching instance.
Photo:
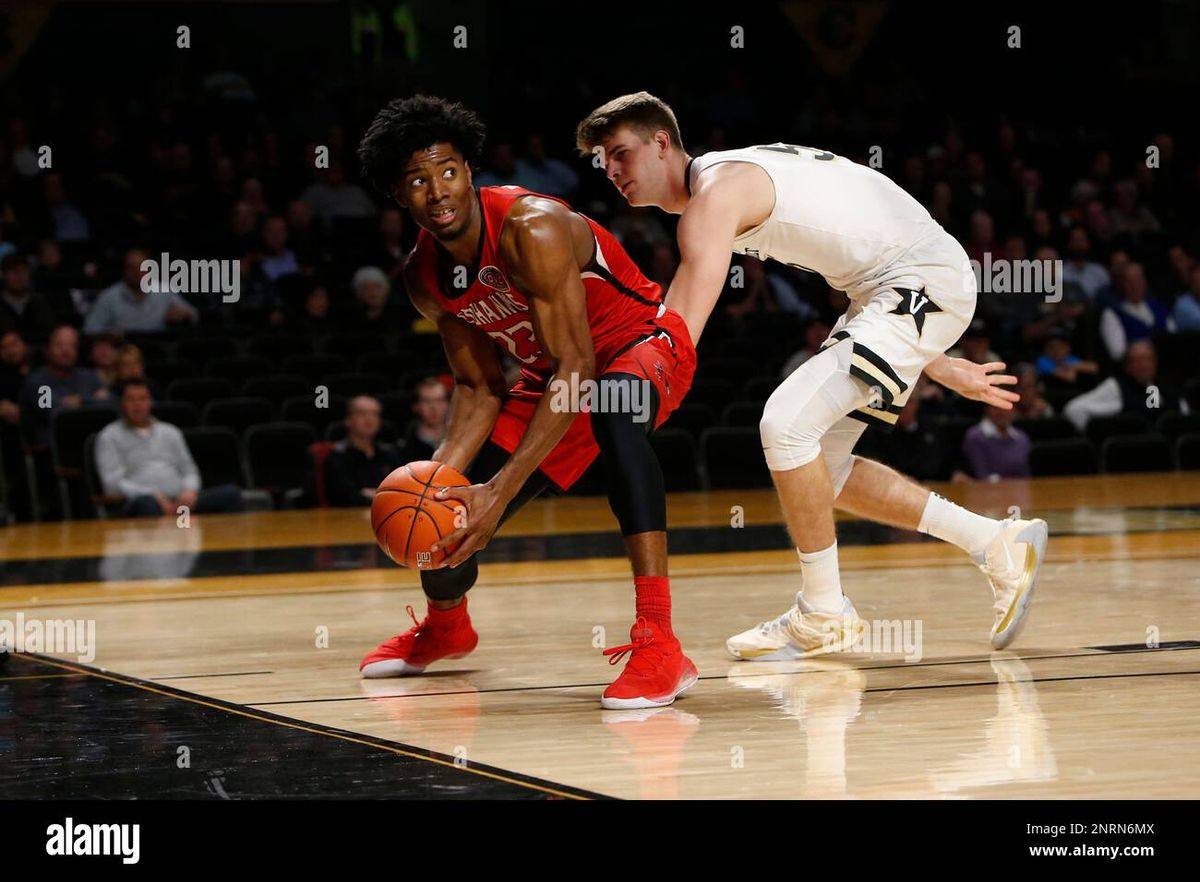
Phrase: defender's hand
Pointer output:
(978, 382)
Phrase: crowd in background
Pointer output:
(321, 255)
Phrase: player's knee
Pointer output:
(789, 438)
(626, 407)
(450, 583)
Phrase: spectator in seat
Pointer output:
(21, 309)
(102, 353)
(994, 450)
(147, 462)
(1058, 362)
(1032, 405)
(359, 462)
(67, 385)
(131, 366)
(976, 344)
(1079, 269)
(1135, 390)
(125, 306)
(544, 174)
(388, 252)
(371, 291)
(1129, 217)
(278, 259)
(14, 366)
(428, 428)
(1187, 306)
(310, 304)
(1135, 316)
(333, 196)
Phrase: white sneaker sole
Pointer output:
(1036, 535)
(785, 653)
(632, 703)
(390, 668)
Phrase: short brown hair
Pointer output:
(640, 110)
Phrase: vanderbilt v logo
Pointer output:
(917, 304)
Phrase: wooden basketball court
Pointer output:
(239, 637)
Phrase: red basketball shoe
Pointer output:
(657, 670)
(444, 633)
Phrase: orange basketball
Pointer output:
(407, 519)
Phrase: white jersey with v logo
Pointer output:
(832, 216)
(910, 283)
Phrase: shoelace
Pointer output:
(416, 628)
(643, 636)
(774, 624)
(996, 575)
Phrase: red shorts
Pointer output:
(660, 351)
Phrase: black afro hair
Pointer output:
(407, 125)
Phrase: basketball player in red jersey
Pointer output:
(503, 269)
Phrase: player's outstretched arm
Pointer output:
(706, 233)
(478, 379)
(538, 247)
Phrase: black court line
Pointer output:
(205, 676)
(108, 735)
(1101, 652)
(1034, 680)
(308, 559)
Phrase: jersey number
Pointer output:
(523, 347)
(796, 150)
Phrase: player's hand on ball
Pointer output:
(979, 382)
(484, 509)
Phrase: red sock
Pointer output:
(654, 599)
(448, 615)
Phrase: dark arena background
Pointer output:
(183, 612)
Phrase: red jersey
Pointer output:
(619, 297)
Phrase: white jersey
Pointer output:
(832, 216)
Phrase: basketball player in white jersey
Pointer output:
(912, 294)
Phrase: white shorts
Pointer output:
(903, 320)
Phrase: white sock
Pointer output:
(822, 582)
(953, 523)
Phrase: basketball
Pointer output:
(407, 519)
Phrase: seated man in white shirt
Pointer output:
(1134, 390)
(147, 462)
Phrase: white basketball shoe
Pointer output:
(801, 632)
(1011, 563)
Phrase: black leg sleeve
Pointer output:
(636, 490)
